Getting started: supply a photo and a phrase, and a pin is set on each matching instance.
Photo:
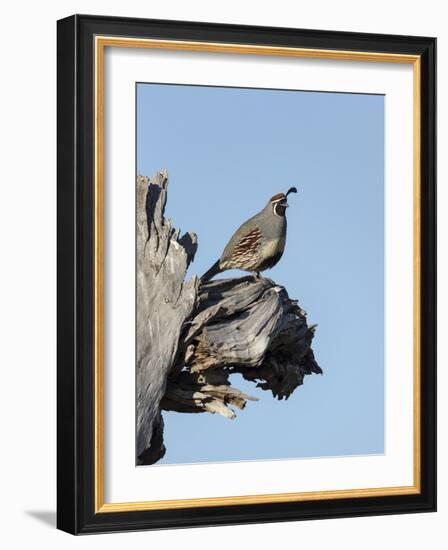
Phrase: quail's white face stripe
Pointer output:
(274, 206)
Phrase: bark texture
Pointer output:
(164, 302)
(192, 337)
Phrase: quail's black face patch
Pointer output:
(280, 207)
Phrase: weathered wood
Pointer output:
(191, 337)
(164, 301)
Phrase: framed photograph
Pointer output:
(246, 274)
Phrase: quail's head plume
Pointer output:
(258, 244)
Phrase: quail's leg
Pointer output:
(257, 275)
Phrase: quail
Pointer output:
(259, 243)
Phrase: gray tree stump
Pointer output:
(192, 337)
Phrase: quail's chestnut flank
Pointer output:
(259, 243)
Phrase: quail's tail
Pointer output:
(214, 270)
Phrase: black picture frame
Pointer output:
(76, 512)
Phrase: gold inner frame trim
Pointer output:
(101, 42)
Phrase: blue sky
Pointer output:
(227, 150)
